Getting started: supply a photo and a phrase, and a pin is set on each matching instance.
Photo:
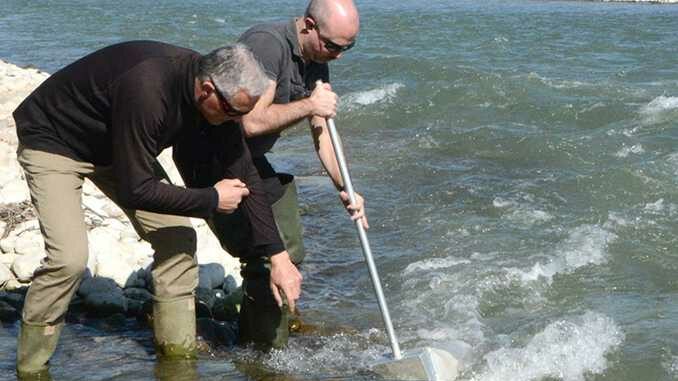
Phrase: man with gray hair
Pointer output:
(107, 117)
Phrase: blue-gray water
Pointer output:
(520, 164)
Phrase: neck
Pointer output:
(301, 26)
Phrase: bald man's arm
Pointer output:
(268, 117)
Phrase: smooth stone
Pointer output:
(8, 314)
(15, 285)
(8, 243)
(30, 242)
(5, 274)
(217, 332)
(15, 299)
(211, 275)
(7, 259)
(137, 293)
(15, 191)
(104, 299)
(24, 266)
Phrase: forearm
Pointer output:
(274, 118)
(325, 150)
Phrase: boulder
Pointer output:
(25, 265)
(211, 275)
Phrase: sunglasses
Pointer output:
(333, 46)
(225, 106)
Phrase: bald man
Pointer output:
(294, 55)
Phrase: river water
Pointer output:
(520, 164)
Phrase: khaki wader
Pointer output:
(55, 184)
(261, 321)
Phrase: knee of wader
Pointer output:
(173, 240)
(71, 266)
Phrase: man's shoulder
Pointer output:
(275, 29)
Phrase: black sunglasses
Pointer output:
(330, 45)
(336, 48)
(225, 106)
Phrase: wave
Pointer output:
(659, 110)
(660, 104)
(434, 264)
(586, 245)
(565, 349)
(635, 149)
(520, 212)
(364, 98)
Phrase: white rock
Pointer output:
(25, 226)
(165, 160)
(211, 275)
(15, 191)
(89, 189)
(112, 266)
(14, 284)
(113, 210)
(30, 242)
(7, 244)
(138, 253)
(95, 205)
(25, 265)
(5, 274)
(7, 259)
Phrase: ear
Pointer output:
(207, 87)
(309, 23)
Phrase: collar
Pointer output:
(292, 37)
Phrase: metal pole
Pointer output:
(343, 168)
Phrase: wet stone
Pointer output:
(8, 314)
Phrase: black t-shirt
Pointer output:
(121, 106)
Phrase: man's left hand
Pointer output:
(357, 210)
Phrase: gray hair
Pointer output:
(233, 68)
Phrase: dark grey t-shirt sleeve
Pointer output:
(267, 49)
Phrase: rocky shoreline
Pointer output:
(118, 271)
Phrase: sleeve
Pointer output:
(138, 110)
(267, 49)
(264, 231)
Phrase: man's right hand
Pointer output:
(285, 279)
(231, 193)
(323, 100)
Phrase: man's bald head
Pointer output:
(340, 16)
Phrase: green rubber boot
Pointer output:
(36, 345)
(174, 328)
(262, 322)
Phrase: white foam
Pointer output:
(656, 206)
(659, 109)
(521, 213)
(635, 149)
(323, 356)
(566, 350)
(586, 245)
(363, 98)
(434, 264)
(557, 83)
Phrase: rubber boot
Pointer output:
(35, 347)
(261, 322)
(174, 328)
(288, 221)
